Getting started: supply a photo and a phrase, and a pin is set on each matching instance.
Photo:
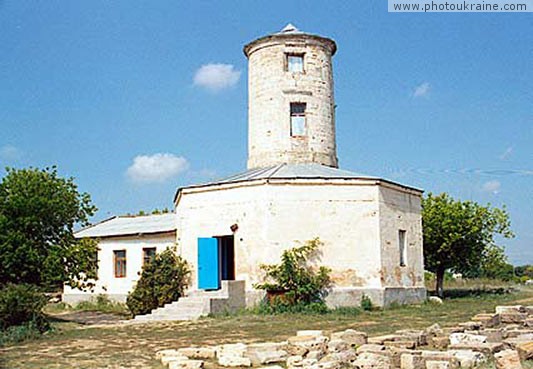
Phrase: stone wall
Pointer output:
(271, 89)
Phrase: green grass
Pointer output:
(134, 346)
(98, 304)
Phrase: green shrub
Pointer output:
(102, 304)
(22, 304)
(296, 284)
(366, 303)
(17, 333)
(162, 281)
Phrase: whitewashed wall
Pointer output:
(118, 288)
(274, 216)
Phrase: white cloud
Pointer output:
(422, 90)
(216, 77)
(156, 168)
(10, 153)
(507, 153)
(492, 186)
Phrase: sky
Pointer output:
(136, 99)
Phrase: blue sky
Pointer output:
(135, 99)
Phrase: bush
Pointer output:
(162, 281)
(294, 283)
(366, 303)
(22, 304)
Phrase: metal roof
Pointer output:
(130, 225)
(294, 171)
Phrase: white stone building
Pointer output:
(293, 191)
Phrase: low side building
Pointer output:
(125, 244)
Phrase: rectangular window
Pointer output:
(295, 63)
(120, 263)
(298, 119)
(403, 249)
(148, 254)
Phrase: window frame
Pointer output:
(147, 258)
(298, 115)
(289, 55)
(402, 246)
(120, 264)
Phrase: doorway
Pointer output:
(226, 249)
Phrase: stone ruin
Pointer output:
(506, 337)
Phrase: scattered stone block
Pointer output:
(300, 345)
(370, 347)
(466, 339)
(266, 353)
(487, 320)
(167, 359)
(198, 352)
(315, 354)
(486, 348)
(510, 309)
(512, 317)
(233, 361)
(271, 367)
(507, 359)
(344, 357)
(514, 341)
(493, 335)
(412, 361)
(525, 350)
(186, 364)
(435, 300)
(440, 342)
(434, 330)
(352, 337)
(379, 340)
(437, 364)
(529, 322)
(370, 360)
(471, 326)
(420, 337)
(294, 361)
(401, 344)
(468, 358)
(168, 352)
(313, 333)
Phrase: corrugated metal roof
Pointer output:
(290, 171)
(130, 225)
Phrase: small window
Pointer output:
(120, 263)
(298, 119)
(295, 63)
(403, 250)
(148, 254)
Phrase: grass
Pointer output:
(134, 346)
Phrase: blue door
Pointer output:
(208, 264)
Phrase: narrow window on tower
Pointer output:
(295, 63)
(403, 250)
(298, 119)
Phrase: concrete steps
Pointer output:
(230, 297)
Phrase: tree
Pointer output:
(162, 281)
(38, 212)
(457, 234)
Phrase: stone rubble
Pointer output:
(506, 337)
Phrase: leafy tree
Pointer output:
(457, 234)
(524, 271)
(162, 281)
(38, 211)
(299, 282)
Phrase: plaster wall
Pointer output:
(271, 89)
(117, 288)
(275, 216)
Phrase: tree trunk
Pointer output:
(440, 282)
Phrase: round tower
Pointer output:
(291, 109)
